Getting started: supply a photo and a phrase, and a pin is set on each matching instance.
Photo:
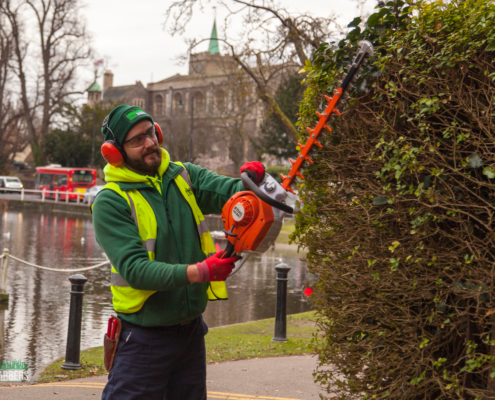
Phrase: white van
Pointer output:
(10, 182)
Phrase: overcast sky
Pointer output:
(130, 36)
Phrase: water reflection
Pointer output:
(34, 327)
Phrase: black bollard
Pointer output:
(281, 311)
(75, 316)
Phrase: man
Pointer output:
(149, 221)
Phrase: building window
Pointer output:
(178, 103)
(199, 103)
(159, 105)
(220, 101)
(138, 103)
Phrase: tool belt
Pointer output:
(130, 325)
(111, 341)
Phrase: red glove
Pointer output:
(255, 170)
(215, 268)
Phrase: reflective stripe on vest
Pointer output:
(125, 298)
(129, 300)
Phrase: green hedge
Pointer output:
(399, 206)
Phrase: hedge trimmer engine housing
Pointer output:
(251, 224)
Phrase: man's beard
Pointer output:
(142, 166)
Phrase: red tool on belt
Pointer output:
(253, 219)
(111, 341)
(112, 327)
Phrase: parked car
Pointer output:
(90, 194)
(10, 182)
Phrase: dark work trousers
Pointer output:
(163, 363)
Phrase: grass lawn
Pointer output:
(287, 228)
(236, 342)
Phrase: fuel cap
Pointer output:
(270, 186)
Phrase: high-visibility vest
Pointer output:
(129, 300)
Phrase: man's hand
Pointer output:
(255, 170)
(213, 268)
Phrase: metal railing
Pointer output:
(42, 196)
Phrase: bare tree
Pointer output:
(237, 116)
(62, 47)
(271, 41)
(12, 139)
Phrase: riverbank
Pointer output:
(229, 343)
(44, 207)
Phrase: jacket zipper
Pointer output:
(176, 246)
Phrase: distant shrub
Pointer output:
(399, 207)
(276, 170)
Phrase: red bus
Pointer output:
(55, 178)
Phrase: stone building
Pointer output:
(209, 116)
(94, 94)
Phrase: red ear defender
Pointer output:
(112, 154)
(159, 134)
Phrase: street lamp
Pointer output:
(96, 94)
(94, 129)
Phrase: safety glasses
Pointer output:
(138, 140)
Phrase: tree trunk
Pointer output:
(33, 139)
(274, 109)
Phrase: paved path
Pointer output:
(276, 378)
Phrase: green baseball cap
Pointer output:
(120, 121)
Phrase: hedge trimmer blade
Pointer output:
(365, 51)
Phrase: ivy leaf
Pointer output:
(491, 46)
(475, 161)
(364, 86)
(354, 33)
(380, 200)
(355, 22)
(350, 196)
(376, 74)
(426, 182)
(489, 172)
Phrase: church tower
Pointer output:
(213, 47)
(211, 61)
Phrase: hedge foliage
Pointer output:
(399, 207)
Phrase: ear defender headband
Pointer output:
(113, 152)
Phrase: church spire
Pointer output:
(213, 48)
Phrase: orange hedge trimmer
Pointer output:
(365, 51)
(253, 219)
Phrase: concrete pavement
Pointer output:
(276, 378)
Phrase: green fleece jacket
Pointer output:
(178, 245)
